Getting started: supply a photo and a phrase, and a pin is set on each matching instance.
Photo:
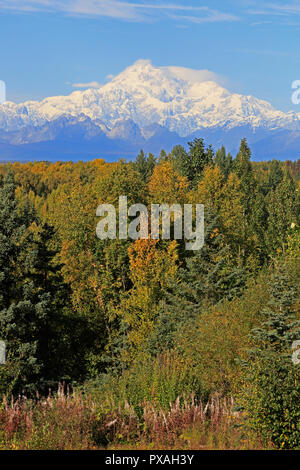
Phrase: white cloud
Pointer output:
(187, 74)
(212, 16)
(194, 76)
(277, 9)
(149, 10)
(130, 11)
(87, 85)
(283, 14)
(30, 5)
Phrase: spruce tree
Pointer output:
(178, 158)
(151, 162)
(197, 159)
(275, 176)
(26, 296)
(253, 226)
(45, 276)
(283, 209)
(141, 164)
(272, 393)
(242, 164)
(208, 277)
(223, 161)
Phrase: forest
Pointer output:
(141, 344)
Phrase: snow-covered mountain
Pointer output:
(146, 104)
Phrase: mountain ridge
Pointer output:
(144, 103)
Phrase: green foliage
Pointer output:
(179, 157)
(123, 180)
(31, 295)
(224, 161)
(283, 207)
(88, 421)
(148, 321)
(242, 165)
(192, 164)
(158, 380)
(272, 392)
(207, 277)
(145, 165)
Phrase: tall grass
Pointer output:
(158, 380)
(69, 421)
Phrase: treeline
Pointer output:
(148, 320)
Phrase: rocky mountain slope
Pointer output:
(150, 107)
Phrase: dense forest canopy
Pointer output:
(146, 319)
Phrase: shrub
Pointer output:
(272, 391)
(158, 380)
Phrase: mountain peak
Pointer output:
(179, 99)
(142, 63)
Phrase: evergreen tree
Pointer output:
(272, 394)
(151, 162)
(196, 160)
(162, 156)
(275, 176)
(257, 227)
(282, 205)
(27, 295)
(55, 343)
(242, 164)
(252, 249)
(145, 165)
(223, 161)
(220, 156)
(141, 164)
(208, 277)
(178, 157)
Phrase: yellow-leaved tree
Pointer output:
(167, 185)
(152, 265)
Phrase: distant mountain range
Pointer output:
(145, 107)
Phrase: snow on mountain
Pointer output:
(180, 100)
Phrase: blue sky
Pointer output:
(47, 46)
